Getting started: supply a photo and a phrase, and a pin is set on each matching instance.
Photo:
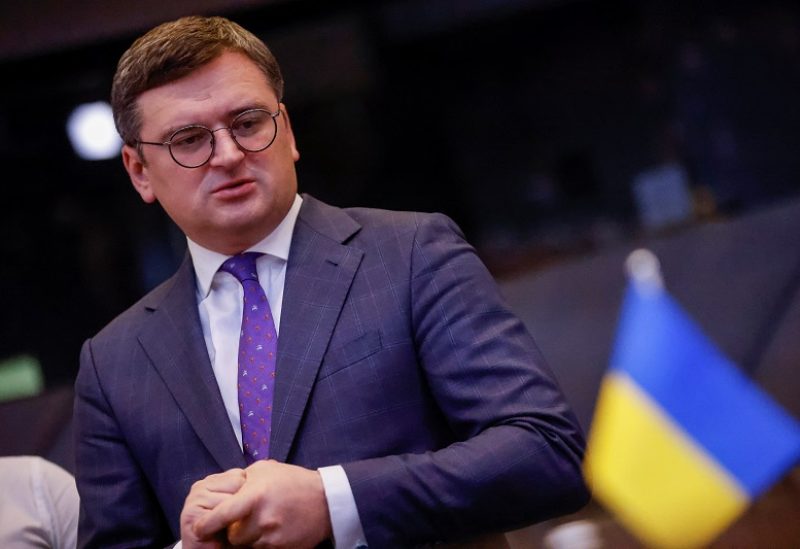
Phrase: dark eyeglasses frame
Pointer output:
(168, 143)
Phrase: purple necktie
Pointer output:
(258, 347)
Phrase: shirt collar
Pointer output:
(277, 243)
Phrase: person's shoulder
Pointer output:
(42, 500)
(32, 466)
(30, 470)
(419, 227)
(398, 221)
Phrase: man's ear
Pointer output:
(137, 171)
(289, 133)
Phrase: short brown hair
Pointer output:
(173, 50)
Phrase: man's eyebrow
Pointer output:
(249, 106)
(166, 135)
(231, 114)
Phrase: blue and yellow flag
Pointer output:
(681, 440)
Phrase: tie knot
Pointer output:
(242, 266)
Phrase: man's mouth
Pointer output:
(233, 188)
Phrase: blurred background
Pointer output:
(559, 134)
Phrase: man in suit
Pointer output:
(406, 406)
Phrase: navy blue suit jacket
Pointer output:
(397, 359)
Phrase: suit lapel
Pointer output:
(174, 342)
(319, 274)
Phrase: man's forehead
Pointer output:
(227, 84)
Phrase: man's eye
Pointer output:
(190, 138)
(249, 123)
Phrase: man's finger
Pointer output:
(235, 507)
(228, 481)
(207, 500)
(244, 532)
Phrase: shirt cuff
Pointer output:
(345, 522)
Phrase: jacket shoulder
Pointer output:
(359, 220)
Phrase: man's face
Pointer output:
(238, 197)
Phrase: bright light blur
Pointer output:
(91, 131)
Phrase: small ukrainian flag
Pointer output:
(681, 440)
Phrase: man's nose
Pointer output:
(226, 150)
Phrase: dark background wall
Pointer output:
(525, 120)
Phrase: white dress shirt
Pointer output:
(39, 504)
(219, 299)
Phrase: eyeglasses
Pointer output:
(252, 130)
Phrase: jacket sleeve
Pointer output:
(517, 459)
(118, 509)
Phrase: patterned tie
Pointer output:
(258, 347)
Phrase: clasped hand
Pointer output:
(269, 504)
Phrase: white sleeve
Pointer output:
(345, 522)
(57, 501)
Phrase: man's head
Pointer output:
(171, 51)
(207, 86)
